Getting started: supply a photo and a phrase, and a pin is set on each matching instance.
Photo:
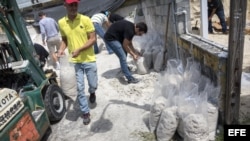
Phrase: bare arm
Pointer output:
(107, 24)
(63, 46)
(128, 46)
(88, 44)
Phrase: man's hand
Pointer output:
(136, 56)
(60, 53)
(75, 53)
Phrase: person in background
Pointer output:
(33, 1)
(78, 34)
(99, 20)
(216, 7)
(42, 54)
(119, 37)
(112, 17)
(50, 36)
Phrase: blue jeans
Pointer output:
(118, 50)
(221, 16)
(91, 72)
(100, 31)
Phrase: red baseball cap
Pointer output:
(71, 1)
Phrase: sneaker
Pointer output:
(133, 80)
(86, 118)
(92, 98)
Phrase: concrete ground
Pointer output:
(121, 111)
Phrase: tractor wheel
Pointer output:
(54, 102)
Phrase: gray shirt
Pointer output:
(48, 27)
(99, 18)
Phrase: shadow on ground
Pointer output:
(112, 73)
(102, 125)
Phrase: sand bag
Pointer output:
(185, 108)
(139, 43)
(141, 67)
(213, 114)
(155, 112)
(195, 128)
(167, 124)
(155, 52)
(173, 67)
(148, 58)
(158, 62)
(131, 63)
(183, 112)
(68, 78)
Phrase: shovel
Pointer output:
(195, 27)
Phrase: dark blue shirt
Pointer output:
(215, 4)
(115, 17)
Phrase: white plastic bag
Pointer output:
(158, 62)
(155, 112)
(147, 54)
(167, 124)
(68, 78)
(141, 67)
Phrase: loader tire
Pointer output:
(54, 101)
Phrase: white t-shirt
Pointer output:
(99, 18)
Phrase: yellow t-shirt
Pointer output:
(76, 34)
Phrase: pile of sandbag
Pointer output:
(185, 103)
(152, 53)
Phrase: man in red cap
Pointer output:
(78, 34)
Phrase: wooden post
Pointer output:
(235, 59)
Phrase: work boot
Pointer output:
(133, 80)
(92, 98)
(86, 118)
